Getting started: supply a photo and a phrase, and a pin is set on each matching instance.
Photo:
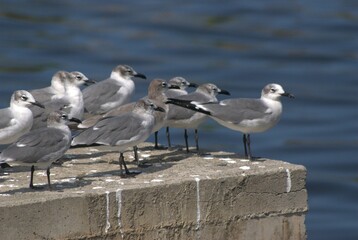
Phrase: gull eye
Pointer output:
(272, 90)
(128, 70)
(164, 84)
(79, 77)
(24, 98)
(64, 116)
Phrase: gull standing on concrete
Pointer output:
(39, 148)
(125, 130)
(112, 92)
(156, 90)
(182, 84)
(63, 94)
(178, 117)
(244, 114)
(17, 119)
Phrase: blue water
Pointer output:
(309, 47)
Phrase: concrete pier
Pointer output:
(216, 195)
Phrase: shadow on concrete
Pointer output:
(56, 187)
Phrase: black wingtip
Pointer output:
(187, 104)
(5, 165)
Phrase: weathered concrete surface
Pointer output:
(180, 196)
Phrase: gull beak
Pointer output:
(76, 120)
(221, 91)
(288, 95)
(89, 82)
(37, 104)
(193, 85)
(173, 86)
(140, 75)
(159, 109)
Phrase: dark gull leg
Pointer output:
(135, 151)
(121, 157)
(48, 178)
(32, 177)
(248, 146)
(125, 166)
(244, 140)
(197, 140)
(122, 164)
(136, 157)
(156, 140)
(168, 137)
(186, 140)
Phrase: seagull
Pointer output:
(74, 94)
(245, 115)
(156, 90)
(182, 84)
(178, 117)
(63, 94)
(39, 148)
(125, 130)
(112, 92)
(17, 119)
(54, 91)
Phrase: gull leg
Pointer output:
(244, 140)
(32, 177)
(121, 157)
(197, 139)
(48, 178)
(156, 140)
(186, 140)
(168, 137)
(125, 167)
(249, 146)
(122, 164)
(135, 151)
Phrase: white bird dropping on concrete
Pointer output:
(125, 130)
(198, 217)
(17, 119)
(289, 182)
(184, 118)
(245, 115)
(111, 92)
(108, 223)
(39, 148)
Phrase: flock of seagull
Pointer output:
(40, 125)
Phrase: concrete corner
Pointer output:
(178, 196)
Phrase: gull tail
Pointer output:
(192, 105)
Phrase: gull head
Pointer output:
(181, 82)
(79, 79)
(212, 89)
(274, 91)
(24, 99)
(126, 72)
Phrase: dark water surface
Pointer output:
(310, 47)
